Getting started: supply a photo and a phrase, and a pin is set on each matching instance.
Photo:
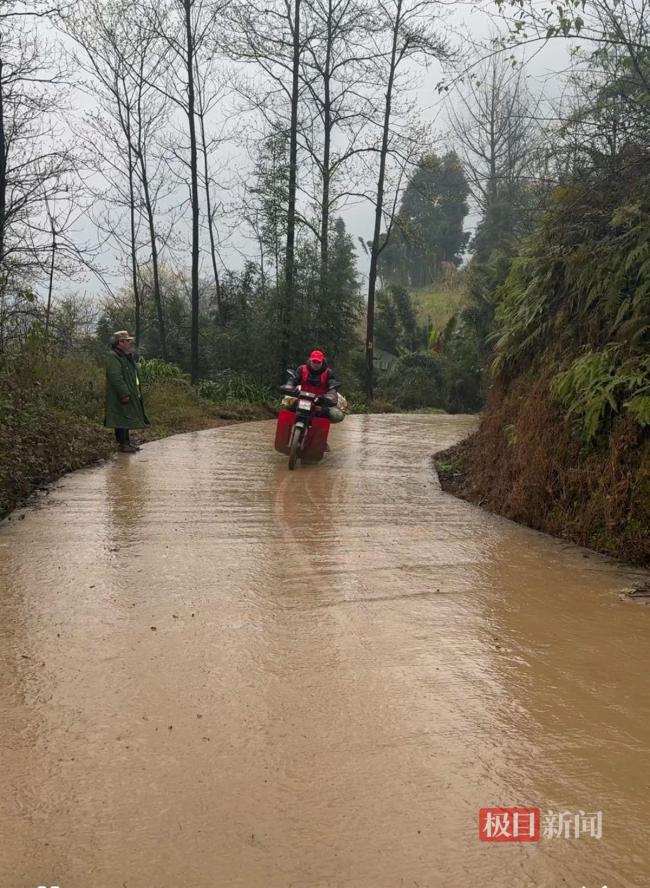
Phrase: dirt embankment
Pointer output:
(526, 463)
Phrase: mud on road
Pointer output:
(219, 673)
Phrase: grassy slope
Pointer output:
(438, 305)
(175, 407)
(51, 420)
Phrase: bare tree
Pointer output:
(289, 270)
(112, 155)
(496, 124)
(151, 116)
(405, 32)
(63, 213)
(604, 111)
(336, 69)
(609, 78)
(186, 30)
(34, 159)
(599, 24)
(271, 36)
(209, 93)
(120, 55)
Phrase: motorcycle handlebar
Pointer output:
(294, 391)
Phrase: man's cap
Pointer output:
(121, 334)
(317, 355)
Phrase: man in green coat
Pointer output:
(124, 404)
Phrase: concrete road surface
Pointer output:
(216, 672)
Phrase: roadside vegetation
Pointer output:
(51, 414)
(559, 303)
(564, 443)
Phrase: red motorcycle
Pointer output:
(301, 433)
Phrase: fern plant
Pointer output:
(599, 385)
(581, 288)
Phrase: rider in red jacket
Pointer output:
(315, 376)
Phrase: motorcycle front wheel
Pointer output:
(296, 438)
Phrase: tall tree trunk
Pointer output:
(3, 175)
(262, 271)
(208, 206)
(151, 221)
(157, 291)
(492, 184)
(3, 209)
(134, 257)
(375, 251)
(327, 147)
(194, 175)
(289, 273)
(50, 283)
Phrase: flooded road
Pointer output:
(219, 673)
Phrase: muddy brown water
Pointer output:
(216, 672)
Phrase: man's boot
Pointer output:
(127, 448)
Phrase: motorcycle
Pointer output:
(300, 433)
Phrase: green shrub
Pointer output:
(156, 370)
(227, 387)
(50, 410)
(415, 380)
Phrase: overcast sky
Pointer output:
(470, 24)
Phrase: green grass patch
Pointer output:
(52, 410)
(437, 306)
(449, 463)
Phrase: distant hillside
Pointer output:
(437, 304)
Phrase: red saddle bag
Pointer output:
(316, 435)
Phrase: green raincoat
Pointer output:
(121, 380)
